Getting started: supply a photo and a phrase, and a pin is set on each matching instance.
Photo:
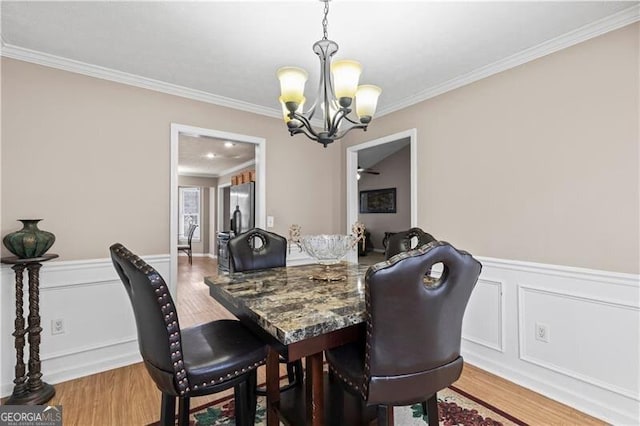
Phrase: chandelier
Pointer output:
(334, 98)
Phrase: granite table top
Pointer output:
(290, 305)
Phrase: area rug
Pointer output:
(455, 407)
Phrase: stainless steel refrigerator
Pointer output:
(242, 204)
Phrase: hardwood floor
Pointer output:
(127, 396)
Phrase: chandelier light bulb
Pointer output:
(367, 102)
(346, 74)
(292, 81)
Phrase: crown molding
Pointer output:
(222, 173)
(199, 175)
(584, 33)
(594, 29)
(59, 62)
(238, 167)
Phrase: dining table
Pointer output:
(299, 316)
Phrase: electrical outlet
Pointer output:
(542, 332)
(57, 326)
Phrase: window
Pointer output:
(189, 211)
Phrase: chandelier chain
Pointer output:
(325, 20)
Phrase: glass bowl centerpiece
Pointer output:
(329, 250)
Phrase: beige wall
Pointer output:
(394, 173)
(538, 163)
(92, 157)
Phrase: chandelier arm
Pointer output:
(326, 95)
(306, 128)
(335, 122)
(357, 126)
(325, 49)
(351, 120)
(303, 131)
(342, 113)
(305, 122)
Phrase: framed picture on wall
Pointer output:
(378, 201)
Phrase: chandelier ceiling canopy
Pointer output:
(337, 91)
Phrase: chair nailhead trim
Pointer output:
(231, 375)
(345, 379)
(165, 304)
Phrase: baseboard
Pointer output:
(85, 363)
(591, 406)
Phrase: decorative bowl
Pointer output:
(327, 249)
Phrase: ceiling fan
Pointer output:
(367, 170)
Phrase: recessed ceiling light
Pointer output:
(228, 144)
(211, 155)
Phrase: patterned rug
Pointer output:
(455, 407)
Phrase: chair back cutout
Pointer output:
(257, 249)
(401, 241)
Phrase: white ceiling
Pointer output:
(228, 52)
(232, 49)
(194, 158)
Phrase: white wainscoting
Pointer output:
(99, 327)
(591, 360)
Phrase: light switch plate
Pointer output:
(269, 221)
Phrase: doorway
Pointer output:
(377, 149)
(179, 131)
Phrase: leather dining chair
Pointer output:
(257, 249)
(187, 247)
(401, 241)
(247, 254)
(411, 348)
(194, 361)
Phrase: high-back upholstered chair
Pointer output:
(187, 247)
(401, 241)
(246, 255)
(195, 361)
(412, 345)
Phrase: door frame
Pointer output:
(220, 204)
(260, 163)
(352, 180)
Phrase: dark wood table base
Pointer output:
(313, 394)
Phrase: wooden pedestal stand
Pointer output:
(29, 388)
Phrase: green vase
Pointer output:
(29, 242)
